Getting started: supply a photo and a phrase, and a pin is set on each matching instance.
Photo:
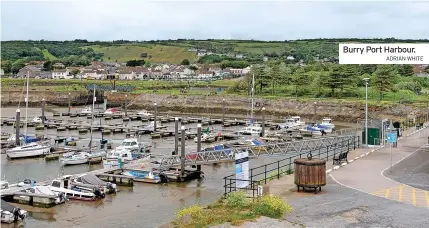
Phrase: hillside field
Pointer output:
(158, 53)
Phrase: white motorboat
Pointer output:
(46, 190)
(152, 125)
(131, 144)
(327, 125)
(96, 157)
(38, 119)
(86, 110)
(86, 180)
(252, 129)
(112, 111)
(64, 185)
(144, 113)
(298, 121)
(75, 158)
(10, 214)
(6, 186)
(289, 124)
(29, 150)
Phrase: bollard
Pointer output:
(154, 117)
(176, 136)
(182, 156)
(263, 122)
(43, 111)
(125, 105)
(69, 103)
(17, 123)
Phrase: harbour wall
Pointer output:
(344, 111)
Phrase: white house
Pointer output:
(239, 56)
(61, 74)
(143, 73)
(126, 73)
(245, 70)
(203, 74)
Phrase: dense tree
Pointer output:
(134, 63)
(193, 67)
(367, 68)
(6, 66)
(383, 78)
(185, 62)
(234, 64)
(274, 75)
(47, 66)
(405, 70)
(17, 65)
(426, 70)
(300, 78)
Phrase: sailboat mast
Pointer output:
(252, 92)
(26, 105)
(92, 119)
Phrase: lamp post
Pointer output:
(223, 110)
(366, 111)
(125, 105)
(154, 118)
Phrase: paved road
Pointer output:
(339, 206)
(409, 161)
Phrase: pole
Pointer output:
(17, 125)
(26, 105)
(69, 103)
(223, 110)
(182, 156)
(199, 143)
(176, 136)
(366, 114)
(199, 138)
(43, 110)
(125, 105)
(154, 118)
(390, 157)
(263, 121)
(92, 119)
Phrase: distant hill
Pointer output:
(174, 51)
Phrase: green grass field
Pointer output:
(48, 55)
(159, 53)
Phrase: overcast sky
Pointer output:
(151, 20)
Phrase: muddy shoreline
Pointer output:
(213, 105)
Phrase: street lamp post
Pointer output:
(366, 111)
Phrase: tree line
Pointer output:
(330, 80)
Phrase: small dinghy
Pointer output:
(10, 214)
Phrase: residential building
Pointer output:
(156, 73)
(143, 73)
(236, 71)
(204, 74)
(61, 74)
(31, 70)
(188, 72)
(126, 73)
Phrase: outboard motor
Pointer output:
(163, 178)
(98, 193)
(110, 187)
(62, 196)
(18, 214)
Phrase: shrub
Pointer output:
(194, 211)
(236, 199)
(271, 206)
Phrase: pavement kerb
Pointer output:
(373, 150)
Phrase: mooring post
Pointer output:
(43, 111)
(263, 121)
(199, 143)
(176, 136)
(182, 156)
(69, 103)
(154, 118)
(223, 111)
(125, 105)
(105, 103)
(17, 125)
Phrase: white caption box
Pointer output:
(396, 53)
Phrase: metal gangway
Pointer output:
(275, 149)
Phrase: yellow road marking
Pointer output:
(400, 192)
(414, 197)
(386, 195)
(427, 198)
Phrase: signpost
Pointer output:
(242, 169)
(391, 138)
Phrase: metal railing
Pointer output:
(274, 170)
(283, 148)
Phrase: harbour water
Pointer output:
(144, 205)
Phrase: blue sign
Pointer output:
(219, 89)
(392, 137)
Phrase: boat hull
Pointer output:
(27, 153)
(74, 161)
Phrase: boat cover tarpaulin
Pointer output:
(7, 207)
(92, 179)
